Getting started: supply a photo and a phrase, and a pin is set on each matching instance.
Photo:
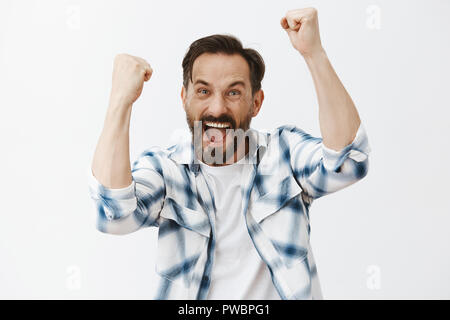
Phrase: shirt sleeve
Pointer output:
(321, 170)
(128, 209)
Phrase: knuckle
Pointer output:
(133, 62)
(122, 58)
(118, 57)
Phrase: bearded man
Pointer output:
(232, 203)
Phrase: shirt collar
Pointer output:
(183, 151)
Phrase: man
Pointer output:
(232, 209)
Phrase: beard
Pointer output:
(230, 140)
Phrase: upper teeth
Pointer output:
(217, 124)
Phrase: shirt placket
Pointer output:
(206, 200)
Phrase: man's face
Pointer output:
(220, 96)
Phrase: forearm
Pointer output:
(111, 162)
(338, 116)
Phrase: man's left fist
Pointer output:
(302, 27)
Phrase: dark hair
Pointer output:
(227, 44)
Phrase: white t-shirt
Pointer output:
(238, 271)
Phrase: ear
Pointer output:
(257, 102)
(183, 97)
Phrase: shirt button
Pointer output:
(108, 214)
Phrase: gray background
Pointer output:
(384, 237)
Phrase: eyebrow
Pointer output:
(231, 84)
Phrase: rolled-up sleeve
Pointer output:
(128, 209)
(321, 170)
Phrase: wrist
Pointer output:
(118, 103)
(315, 56)
(119, 111)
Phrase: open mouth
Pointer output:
(215, 132)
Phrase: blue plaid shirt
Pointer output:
(290, 168)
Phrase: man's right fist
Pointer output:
(129, 74)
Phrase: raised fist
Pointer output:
(129, 74)
(302, 27)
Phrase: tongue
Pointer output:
(215, 135)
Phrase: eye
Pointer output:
(235, 91)
(201, 90)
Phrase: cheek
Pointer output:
(193, 108)
(245, 109)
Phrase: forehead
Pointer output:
(218, 68)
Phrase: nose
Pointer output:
(217, 106)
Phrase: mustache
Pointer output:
(222, 118)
